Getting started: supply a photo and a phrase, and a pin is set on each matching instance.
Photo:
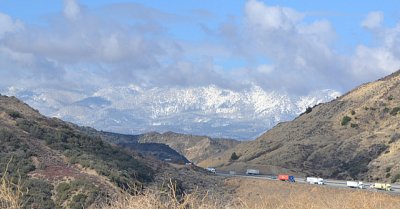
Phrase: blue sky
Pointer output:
(345, 16)
(294, 46)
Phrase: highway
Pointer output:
(328, 182)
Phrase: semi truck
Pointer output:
(284, 177)
(252, 172)
(381, 186)
(212, 170)
(315, 180)
(355, 184)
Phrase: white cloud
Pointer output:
(71, 9)
(7, 24)
(260, 15)
(297, 50)
(265, 69)
(373, 62)
(380, 59)
(373, 20)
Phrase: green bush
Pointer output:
(395, 111)
(354, 125)
(394, 138)
(39, 194)
(234, 156)
(308, 110)
(78, 201)
(14, 114)
(390, 97)
(396, 178)
(84, 193)
(386, 110)
(345, 120)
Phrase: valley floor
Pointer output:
(261, 194)
(255, 193)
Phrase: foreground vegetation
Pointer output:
(261, 194)
(250, 194)
(10, 193)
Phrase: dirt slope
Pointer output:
(355, 136)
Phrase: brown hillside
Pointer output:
(194, 148)
(355, 136)
(61, 166)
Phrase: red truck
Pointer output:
(283, 177)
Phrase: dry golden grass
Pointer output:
(250, 194)
(273, 194)
(10, 193)
(159, 199)
(261, 194)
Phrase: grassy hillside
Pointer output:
(159, 151)
(194, 148)
(51, 156)
(356, 136)
(61, 166)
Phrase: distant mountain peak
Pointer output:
(208, 110)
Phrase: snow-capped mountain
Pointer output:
(208, 110)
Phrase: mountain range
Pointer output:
(212, 111)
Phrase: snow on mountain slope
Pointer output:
(207, 110)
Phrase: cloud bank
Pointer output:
(277, 48)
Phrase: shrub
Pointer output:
(386, 110)
(353, 112)
(396, 178)
(345, 120)
(234, 156)
(14, 114)
(354, 125)
(308, 110)
(395, 111)
(39, 194)
(390, 97)
(394, 138)
(78, 201)
(83, 193)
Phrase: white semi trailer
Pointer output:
(315, 180)
(355, 184)
(252, 172)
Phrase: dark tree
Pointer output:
(234, 156)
